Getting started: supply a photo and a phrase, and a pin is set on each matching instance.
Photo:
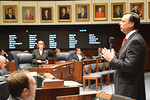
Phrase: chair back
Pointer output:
(62, 56)
(106, 65)
(50, 53)
(4, 94)
(93, 67)
(12, 54)
(101, 66)
(23, 61)
(86, 69)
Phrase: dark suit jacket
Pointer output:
(66, 16)
(45, 18)
(75, 57)
(129, 66)
(11, 98)
(136, 11)
(7, 16)
(116, 15)
(36, 56)
(80, 15)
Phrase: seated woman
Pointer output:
(40, 56)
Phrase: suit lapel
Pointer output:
(126, 43)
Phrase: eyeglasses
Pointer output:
(4, 63)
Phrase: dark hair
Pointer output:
(16, 82)
(10, 8)
(135, 18)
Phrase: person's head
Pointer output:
(2, 62)
(100, 9)
(57, 50)
(129, 22)
(135, 7)
(10, 10)
(2, 51)
(82, 9)
(63, 10)
(21, 84)
(40, 45)
(46, 11)
(99, 49)
(117, 8)
(28, 11)
(78, 51)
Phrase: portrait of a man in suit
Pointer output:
(137, 8)
(64, 12)
(83, 13)
(10, 13)
(46, 14)
(117, 12)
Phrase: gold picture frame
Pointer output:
(100, 11)
(64, 13)
(139, 6)
(46, 14)
(10, 13)
(117, 10)
(82, 8)
(149, 9)
(28, 14)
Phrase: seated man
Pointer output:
(2, 68)
(78, 56)
(99, 53)
(21, 85)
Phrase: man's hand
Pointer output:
(108, 55)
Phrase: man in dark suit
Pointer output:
(130, 61)
(78, 56)
(10, 15)
(83, 14)
(135, 10)
(117, 13)
(45, 16)
(3, 72)
(64, 14)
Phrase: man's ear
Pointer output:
(131, 24)
(25, 91)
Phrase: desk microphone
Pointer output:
(111, 41)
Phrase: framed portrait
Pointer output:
(64, 13)
(138, 8)
(117, 10)
(10, 13)
(28, 14)
(82, 12)
(46, 14)
(149, 9)
(100, 11)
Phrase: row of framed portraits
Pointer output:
(82, 12)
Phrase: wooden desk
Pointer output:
(10, 66)
(85, 96)
(60, 71)
(52, 93)
(77, 97)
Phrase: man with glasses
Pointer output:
(3, 72)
